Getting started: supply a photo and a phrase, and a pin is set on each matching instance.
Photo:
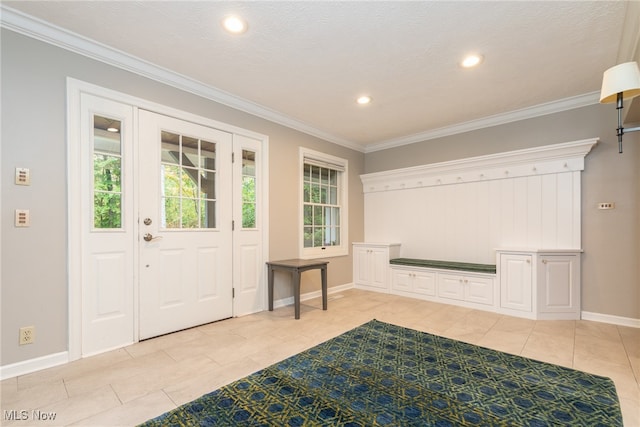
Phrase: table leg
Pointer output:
(270, 286)
(296, 291)
(323, 274)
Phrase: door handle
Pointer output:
(149, 237)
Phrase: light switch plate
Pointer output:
(23, 176)
(23, 218)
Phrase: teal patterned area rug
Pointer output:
(380, 374)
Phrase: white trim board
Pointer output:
(311, 295)
(33, 365)
(611, 319)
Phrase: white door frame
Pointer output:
(74, 191)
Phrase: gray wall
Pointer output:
(34, 260)
(610, 239)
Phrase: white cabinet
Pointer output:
(371, 265)
(412, 282)
(473, 288)
(558, 280)
(540, 284)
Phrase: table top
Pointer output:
(296, 263)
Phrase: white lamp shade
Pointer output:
(623, 78)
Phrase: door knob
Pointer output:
(149, 237)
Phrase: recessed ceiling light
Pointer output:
(471, 61)
(234, 24)
(364, 100)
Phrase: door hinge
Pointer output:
(233, 225)
(233, 157)
(233, 292)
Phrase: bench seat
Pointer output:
(445, 265)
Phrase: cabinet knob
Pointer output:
(544, 261)
(528, 261)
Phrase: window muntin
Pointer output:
(188, 182)
(107, 173)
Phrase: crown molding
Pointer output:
(495, 120)
(38, 29)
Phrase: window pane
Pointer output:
(315, 174)
(170, 148)
(190, 156)
(207, 214)
(106, 172)
(336, 216)
(317, 215)
(308, 237)
(248, 189)
(306, 190)
(315, 193)
(208, 183)
(248, 215)
(248, 163)
(170, 180)
(190, 215)
(190, 183)
(333, 195)
(323, 195)
(318, 235)
(171, 212)
(208, 153)
(308, 215)
(106, 142)
(324, 176)
(333, 178)
(107, 210)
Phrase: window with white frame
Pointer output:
(323, 210)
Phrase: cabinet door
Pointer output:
(515, 282)
(361, 267)
(424, 283)
(450, 286)
(378, 267)
(557, 286)
(478, 289)
(401, 280)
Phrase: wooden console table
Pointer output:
(296, 267)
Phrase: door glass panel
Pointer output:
(188, 182)
(107, 175)
(248, 189)
(170, 147)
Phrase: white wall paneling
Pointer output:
(464, 209)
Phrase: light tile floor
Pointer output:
(130, 385)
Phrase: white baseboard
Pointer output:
(310, 295)
(609, 318)
(32, 365)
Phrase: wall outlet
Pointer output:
(27, 335)
(606, 205)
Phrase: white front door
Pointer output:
(185, 224)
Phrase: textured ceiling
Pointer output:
(308, 61)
